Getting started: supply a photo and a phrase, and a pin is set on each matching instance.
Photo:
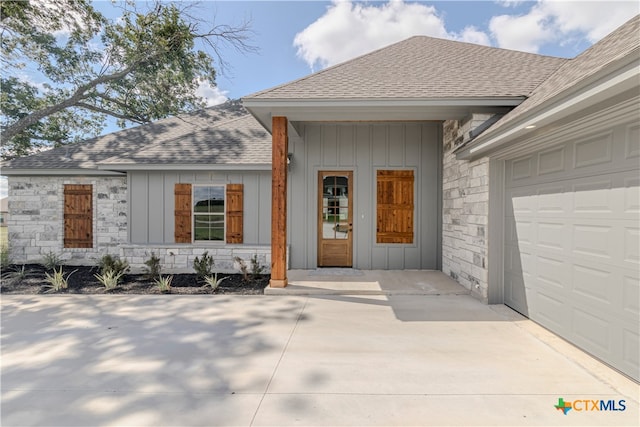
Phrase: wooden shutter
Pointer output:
(395, 206)
(234, 213)
(78, 216)
(182, 213)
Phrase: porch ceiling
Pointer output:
(378, 110)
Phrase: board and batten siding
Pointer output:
(152, 202)
(366, 148)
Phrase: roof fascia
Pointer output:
(58, 172)
(618, 78)
(336, 110)
(393, 102)
(184, 167)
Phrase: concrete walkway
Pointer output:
(292, 360)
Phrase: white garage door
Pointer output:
(572, 246)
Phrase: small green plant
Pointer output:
(242, 266)
(256, 268)
(203, 266)
(153, 267)
(164, 283)
(213, 282)
(109, 279)
(113, 263)
(5, 260)
(12, 277)
(57, 281)
(51, 261)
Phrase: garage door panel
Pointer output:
(597, 150)
(631, 203)
(594, 283)
(594, 240)
(549, 309)
(595, 199)
(520, 169)
(551, 161)
(631, 295)
(630, 355)
(632, 245)
(553, 236)
(592, 329)
(552, 201)
(552, 272)
(632, 143)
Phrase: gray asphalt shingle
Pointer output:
(424, 68)
(623, 42)
(225, 134)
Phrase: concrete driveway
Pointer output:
(292, 360)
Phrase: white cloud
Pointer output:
(550, 21)
(212, 94)
(473, 35)
(350, 29)
(526, 32)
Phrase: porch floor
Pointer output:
(346, 281)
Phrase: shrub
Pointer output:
(203, 266)
(113, 263)
(213, 282)
(164, 283)
(57, 281)
(153, 267)
(13, 277)
(51, 261)
(4, 256)
(109, 279)
(256, 268)
(243, 268)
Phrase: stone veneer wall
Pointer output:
(465, 211)
(36, 223)
(179, 258)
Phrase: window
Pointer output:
(208, 213)
(394, 221)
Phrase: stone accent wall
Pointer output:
(179, 258)
(36, 223)
(465, 210)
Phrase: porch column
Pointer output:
(279, 143)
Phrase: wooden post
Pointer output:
(280, 142)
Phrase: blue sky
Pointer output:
(295, 38)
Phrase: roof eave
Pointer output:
(125, 167)
(398, 109)
(619, 78)
(58, 172)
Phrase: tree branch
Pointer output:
(97, 109)
(73, 100)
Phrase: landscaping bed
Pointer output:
(82, 280)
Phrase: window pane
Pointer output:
(208, 199)
(208, 208)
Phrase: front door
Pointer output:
(335, 219)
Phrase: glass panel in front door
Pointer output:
(335, 207)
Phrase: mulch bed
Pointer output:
(83, 281)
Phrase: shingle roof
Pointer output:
(224, 134)
(621, 43)
(424, 67)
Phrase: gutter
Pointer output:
(606, 84)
